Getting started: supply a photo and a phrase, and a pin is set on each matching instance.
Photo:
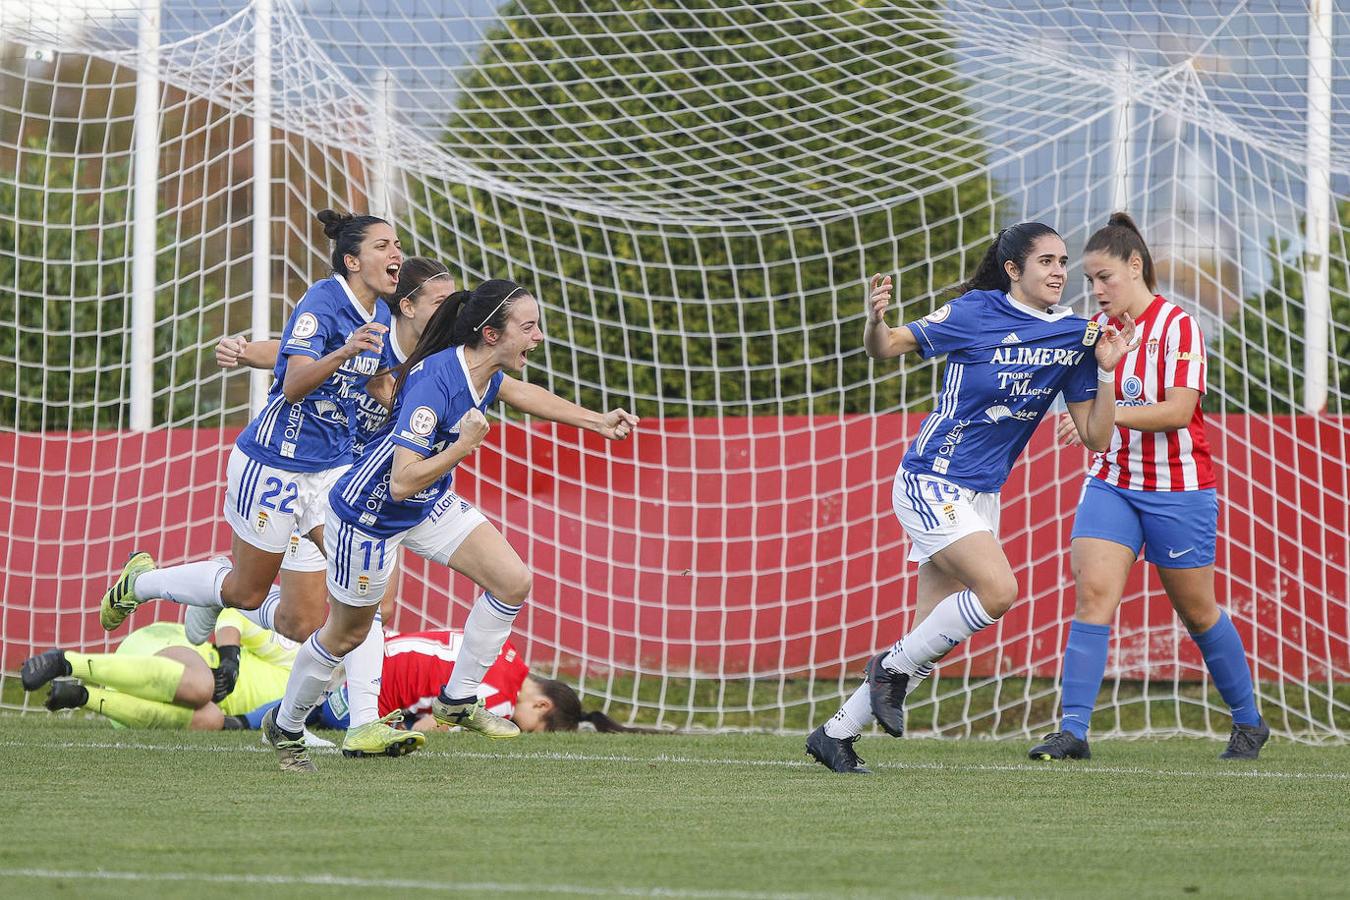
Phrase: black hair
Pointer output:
(412, 277)
(461, 320)
(346, 231)
(1013, 244)
(567, 714)
(1120, 238)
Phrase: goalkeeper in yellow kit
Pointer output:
(157, 679)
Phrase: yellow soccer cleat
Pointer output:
(380, 738)
(120, 600)
(474, 717)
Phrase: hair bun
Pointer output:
(333, 221)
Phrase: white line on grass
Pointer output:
(480, 887)
(1058, 770)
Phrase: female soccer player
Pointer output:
(400, 494)
(1011, 350)
(288, 457)
(1153, 487)
(158, 679)
(423, 285)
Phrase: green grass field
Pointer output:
(91, 811)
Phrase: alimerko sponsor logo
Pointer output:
(1036, 356)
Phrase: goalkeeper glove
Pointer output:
(227, 673)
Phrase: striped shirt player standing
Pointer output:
(423, 284)
(400, 494)
(1011, 350)
(286, 460)
(1153, 488)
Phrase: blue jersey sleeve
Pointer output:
(948, 327)
(311, 324)
(1082, 382)
(424, 410)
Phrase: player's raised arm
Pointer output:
(533, 400)
(880, 340)
(233, 352)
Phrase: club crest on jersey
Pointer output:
(1151, 348)
(949, 510)
(1091, 334)
(261, 522)
(363, 584)
(422, 421)
(305, 326)
(939, 315)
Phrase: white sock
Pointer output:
(310, 674)
(266, 614)
(194, 584)
(853, 716)
(364, 666)
(954, 620)
(917, 679)
(486, 629)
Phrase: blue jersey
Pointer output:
(371, 415)
(1006, 363)
(435, 396)
(316, 433)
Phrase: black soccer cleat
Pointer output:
(836, 754)
(40, 669)
(1246, 741)
(67, 693)
(886, 690)
(1061, 745)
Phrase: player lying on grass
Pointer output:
(1152, 489)
(399, 493)
(1011, 350)
(417, 665)
(156, 679)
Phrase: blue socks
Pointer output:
(1226, 659)
(1084, 666)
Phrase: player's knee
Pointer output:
(298, 622)
(195, 689)
(1095, 598)
(999, 596)
(208, 718)
(240, 595)
(516, 587)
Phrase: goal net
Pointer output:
(696, 193)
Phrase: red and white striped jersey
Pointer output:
(417, 666)
(1171, 353)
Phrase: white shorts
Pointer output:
(359, 563)
(264, 505)
(936, 513)
(303, 555)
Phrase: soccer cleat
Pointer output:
(1061, 745)
(38, 670)
(67, 693)
(474, 717)
(1246, 741)
(886, 690)
(199, 622)
(836, 754)
(380, 738)
(120, 600)
(291, 752)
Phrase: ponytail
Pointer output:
(438, 335)
(1121, 239)
(1013, 244)
(566, 713)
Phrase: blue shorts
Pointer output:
(1177, 527)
